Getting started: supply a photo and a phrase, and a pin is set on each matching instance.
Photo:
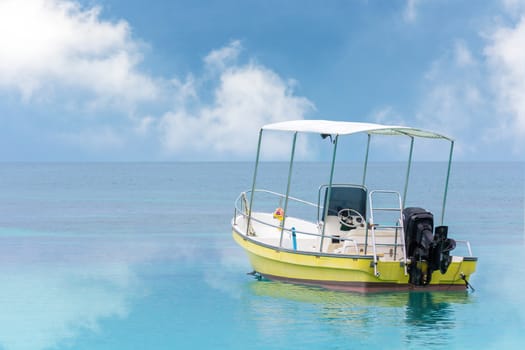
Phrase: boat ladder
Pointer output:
(397, 207)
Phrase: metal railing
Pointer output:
(467, 243)
(241, 207)
(244, 209)
(398, 227)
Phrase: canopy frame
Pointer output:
(342, 128)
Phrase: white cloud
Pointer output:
(247, 97)
(506, 61)
(387, 115)
(452, 90)
(463, 56)
(224, 56)
(451, 104)
(480, 96)
(514, 7)
(410, 13)
(144, 125)
(58, 44)
(57, 50)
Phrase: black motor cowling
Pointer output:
(427, 252)
(441, 249)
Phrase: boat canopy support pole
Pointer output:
(446, 181)
(364, 181)
(329, 189)
(253, 183)
(409, 167)
(366, 159)
(285, 209)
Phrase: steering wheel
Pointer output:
(351, 221)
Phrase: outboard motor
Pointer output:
(419, 227)
(442, 246)
(426, 251)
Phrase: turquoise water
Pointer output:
(140, 256)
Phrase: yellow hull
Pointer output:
(349, 273)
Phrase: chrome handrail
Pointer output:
(242, 208)
(245, 193)
(467, 243)
(399, 225)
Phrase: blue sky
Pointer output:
(114, 80)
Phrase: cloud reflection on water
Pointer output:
(55, 288)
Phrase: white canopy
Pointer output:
(346, 128)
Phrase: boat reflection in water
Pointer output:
(430, 317)
(406, 319)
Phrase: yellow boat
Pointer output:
(358, 239)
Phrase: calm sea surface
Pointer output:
(140, 256)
